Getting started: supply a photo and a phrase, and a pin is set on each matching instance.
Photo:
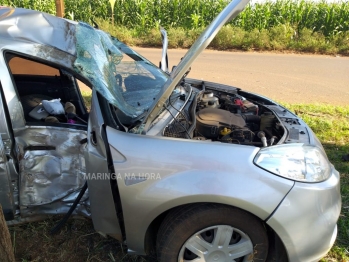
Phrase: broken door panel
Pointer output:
(52, 165)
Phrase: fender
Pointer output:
(156, 174)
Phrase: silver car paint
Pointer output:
(6, 188)
(306, 219)
(24, 135)
(105, 222)
(51, 168)
(56, 45)
(31, 26)
(181, 171)
(190, 171)
(103, 208)
(164, 57)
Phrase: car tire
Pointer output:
(203, 231)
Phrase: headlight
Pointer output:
(295, 161)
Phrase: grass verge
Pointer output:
(331, 125)
(278, 38)
(79, 242)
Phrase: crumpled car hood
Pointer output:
(231, 11)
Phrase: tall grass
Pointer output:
(327, 18)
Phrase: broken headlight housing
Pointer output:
(298, 162)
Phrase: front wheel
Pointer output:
(211, 232)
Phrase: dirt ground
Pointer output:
(77, 241)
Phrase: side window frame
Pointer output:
(63, 72)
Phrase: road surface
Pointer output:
(289, 78)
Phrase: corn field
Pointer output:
(327, 18)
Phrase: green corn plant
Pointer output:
(112, 4)
(322, 17)
(195, 18)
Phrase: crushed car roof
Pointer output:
(94, 54)
(36, 27)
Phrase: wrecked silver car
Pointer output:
(188, 169)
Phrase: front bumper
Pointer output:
(306, 220)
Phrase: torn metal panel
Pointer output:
(52, 165)
(53, 55)
(58, 208)
(37, 213)
(47, 177)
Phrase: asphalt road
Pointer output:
(289, 78)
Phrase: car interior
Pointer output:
(35, 81)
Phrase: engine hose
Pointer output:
(272, 140)
(58, 227)
(261, 135)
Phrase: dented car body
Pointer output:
(242, 176)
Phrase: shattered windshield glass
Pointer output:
(126, 79)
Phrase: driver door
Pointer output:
(103, 192)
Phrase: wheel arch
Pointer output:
(165, 208)
(276, 252)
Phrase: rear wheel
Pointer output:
(211, 232)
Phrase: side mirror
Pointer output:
(164, 57)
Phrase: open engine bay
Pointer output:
(218, 113)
